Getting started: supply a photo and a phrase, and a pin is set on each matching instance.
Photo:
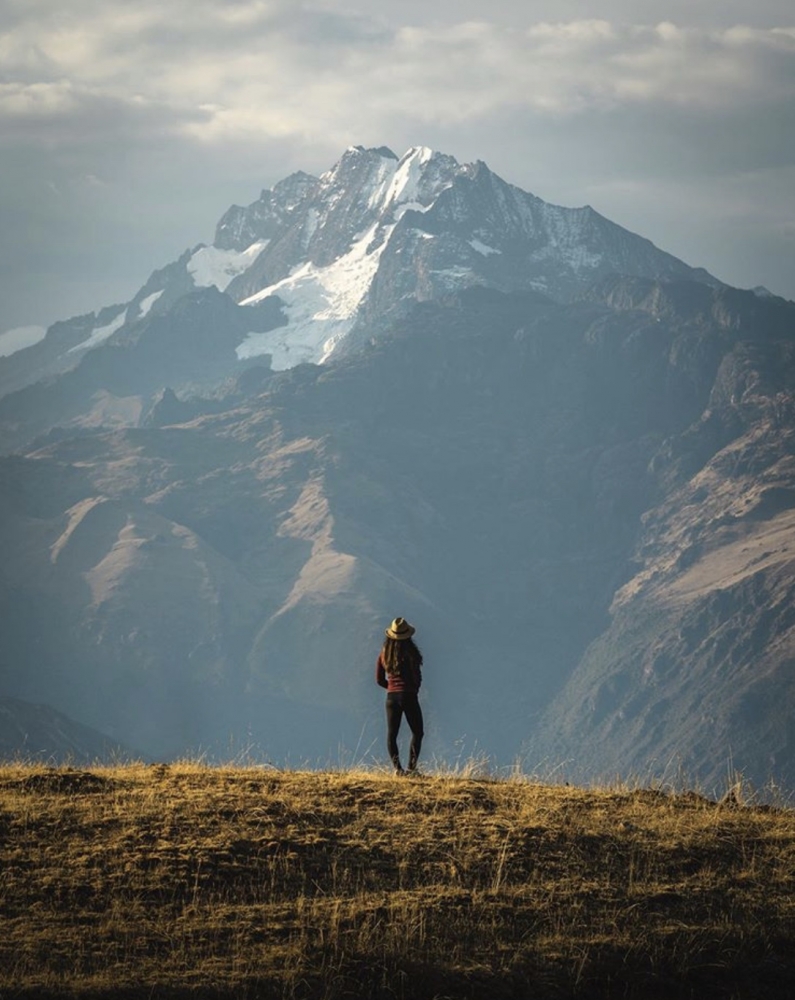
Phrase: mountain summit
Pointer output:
(378, 232)
(371, 235)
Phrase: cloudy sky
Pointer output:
(127, 127)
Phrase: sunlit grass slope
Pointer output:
(188, 881)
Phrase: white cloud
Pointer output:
(36, 100)
(287, 69)
(22, 336)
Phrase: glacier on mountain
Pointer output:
(215, 266)
(101, 333)
(321, 305)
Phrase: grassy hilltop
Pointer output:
(186, 881)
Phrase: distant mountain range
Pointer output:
(408, 387)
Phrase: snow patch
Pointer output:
(483, 248)
(382, 184)
(409, 206)
(19, 338)
(310, 227)
(146, 304)
(399, 186)
(453, 278)
(101, 333)
(320, 303)
(405, 186)
(213, 266)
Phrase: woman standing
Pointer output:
(399, 670)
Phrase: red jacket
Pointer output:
(409, 679)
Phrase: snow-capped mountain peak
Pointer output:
(349, 251)
(344, 229)
(376, 232)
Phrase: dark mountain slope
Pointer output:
(696, 669)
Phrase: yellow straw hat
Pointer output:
(400, 629)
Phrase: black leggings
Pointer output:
(398, 704)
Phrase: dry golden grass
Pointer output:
(188, 881)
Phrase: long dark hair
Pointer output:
(396, 654)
